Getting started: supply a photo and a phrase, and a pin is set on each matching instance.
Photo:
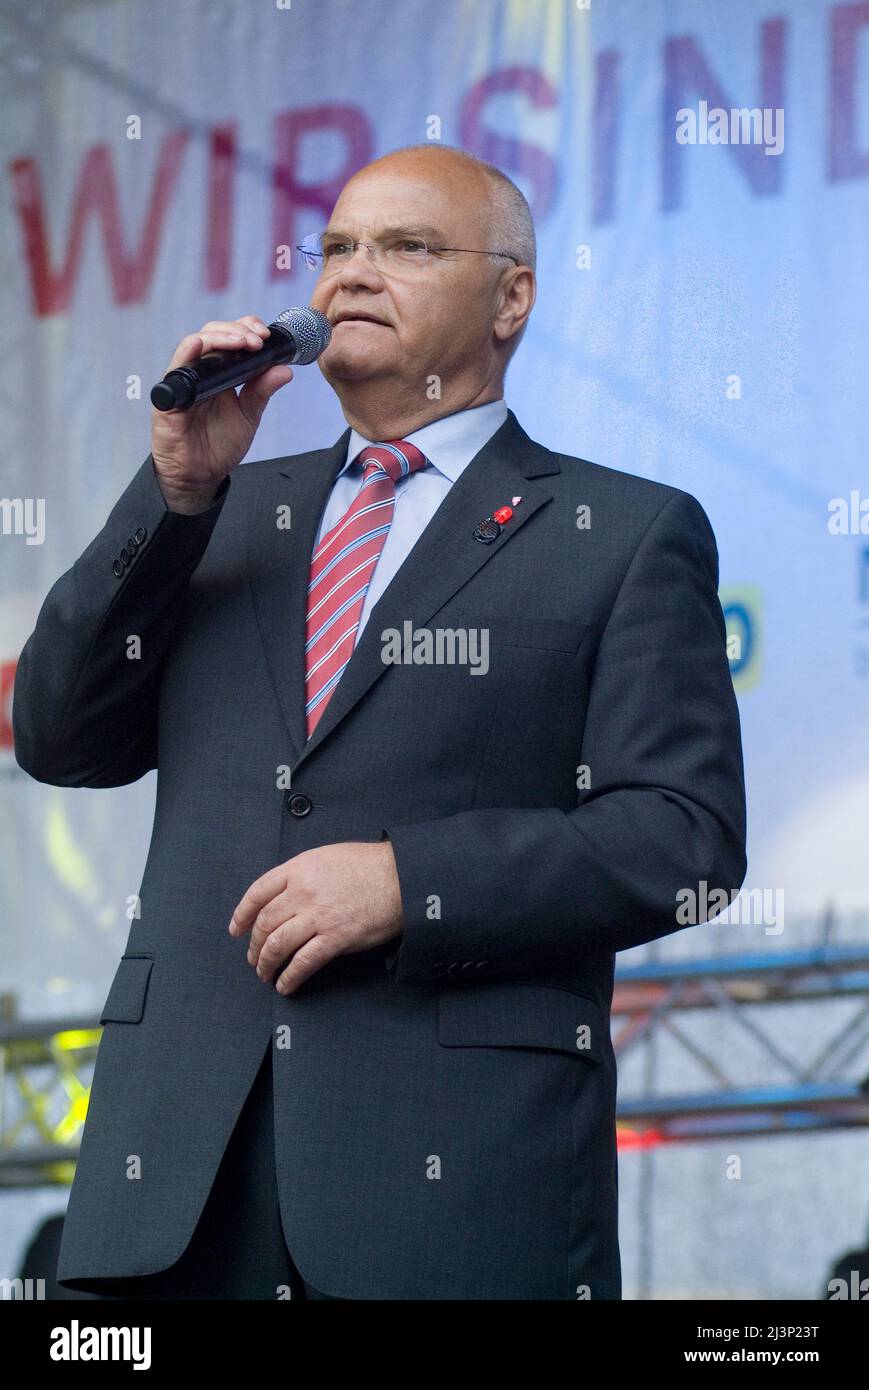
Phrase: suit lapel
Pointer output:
(442, 561)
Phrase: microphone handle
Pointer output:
(216, 371)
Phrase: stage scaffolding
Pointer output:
(46, 1066)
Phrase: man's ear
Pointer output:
(516, 295)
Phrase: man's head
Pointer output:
(442, 324)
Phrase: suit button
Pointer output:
(140, 535)
(117, 568)
(299, 804)
(131, 547)
(124, 556)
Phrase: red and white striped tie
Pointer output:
(342, 566)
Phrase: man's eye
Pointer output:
(410, 246)
(335, 248)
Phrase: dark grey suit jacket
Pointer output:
(445, 1121)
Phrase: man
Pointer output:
(384, 890)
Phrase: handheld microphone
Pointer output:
(297, 337)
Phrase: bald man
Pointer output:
(431, 749)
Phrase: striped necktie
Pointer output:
(342, 566)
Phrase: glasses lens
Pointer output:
(335, 249)
(326, 251)
(405, 251)
(310, 249)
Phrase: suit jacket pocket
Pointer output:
(126, 999)
(521, 1015)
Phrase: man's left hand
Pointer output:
(326, 902)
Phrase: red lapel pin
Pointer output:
(490, 529)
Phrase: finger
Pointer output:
(233, 330)
(273, 916)
(307, 960)
(281, 944)
(250, 324)
(210, 336)
(260, 892)
(256, 393)
(245, 327)
(187, 349)
(256, 323)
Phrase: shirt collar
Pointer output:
(448, 443)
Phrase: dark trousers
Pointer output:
(237, 1249)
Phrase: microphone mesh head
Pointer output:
(311, 332)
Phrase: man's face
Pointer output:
(434, 318)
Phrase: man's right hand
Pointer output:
(194, 450)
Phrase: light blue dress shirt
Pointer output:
(449, 444)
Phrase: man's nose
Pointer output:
(359, 269)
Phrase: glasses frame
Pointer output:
(316, 260)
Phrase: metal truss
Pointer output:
(45, 1073)
(45, 1067)
(828, 1089)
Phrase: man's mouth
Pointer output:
(349, 317)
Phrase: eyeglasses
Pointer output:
(396, 254)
